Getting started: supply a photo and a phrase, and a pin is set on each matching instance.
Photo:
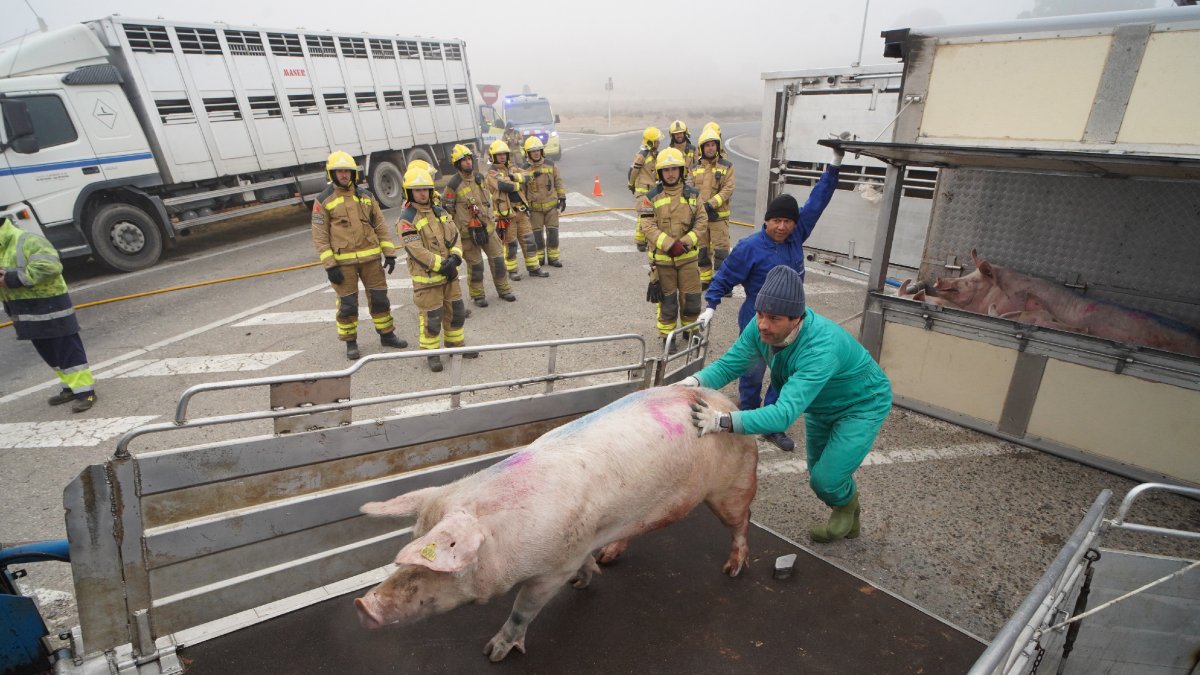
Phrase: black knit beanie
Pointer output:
(783, 206)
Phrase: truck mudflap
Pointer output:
(175, 545)
(664, 607)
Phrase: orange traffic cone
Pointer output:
(596, 191)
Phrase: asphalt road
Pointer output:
(957, 522)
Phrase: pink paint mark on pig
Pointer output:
(515, 460)
(666, 414)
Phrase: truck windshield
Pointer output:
(535, 112)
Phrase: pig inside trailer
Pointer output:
(1069, 161)
(246, 555)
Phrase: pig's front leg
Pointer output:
(534, 595)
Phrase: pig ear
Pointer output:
(405, 505)
(452, 544)
(984, 267)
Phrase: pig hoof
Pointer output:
(733, 568)
(584, 576)
(497, 648)
(610, 553)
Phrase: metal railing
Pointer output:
(455, 390)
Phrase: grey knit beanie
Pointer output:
(782, 293)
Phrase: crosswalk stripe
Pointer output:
(581, 202)
(594, 234)
(799, 466)
(302, 316)
(71, 433)
(618, 249)
(195, 365)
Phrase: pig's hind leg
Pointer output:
(534, 595)
(583, 577)
(610, 553)
(732, 505)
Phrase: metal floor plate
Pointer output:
(664, 607)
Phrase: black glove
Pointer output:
(389, 263)
(335, 274)
(654, 292)
(562, 204)
(456, 258)
(449, 265)
(712, 213)
(631, 190)
(479, 235)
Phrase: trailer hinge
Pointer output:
(952, 263)
(1022, 341)
(1123, 360)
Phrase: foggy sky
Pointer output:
(702, 51)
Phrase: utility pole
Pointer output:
(608, 86)
(862, 34)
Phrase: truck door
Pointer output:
(107, 121)
(51, 178)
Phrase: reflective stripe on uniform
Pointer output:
(719, 200)
(354, 255)
(28, 318)
(78, 379)
(662, 202)
(662, 236)
(686, 257)
(327, 253)
(387, 244)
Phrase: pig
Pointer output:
(1107, 320)
(920, 292)
(536, 518)
(978, 291)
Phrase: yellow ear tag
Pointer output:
(430, 551)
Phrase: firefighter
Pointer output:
(506, 186)
(716, 128)
(512, 138)
(674, 222)
(352, 242)
(713, 176)
(426, 166)
(466, 200)
(682, 141)
(35, 296)
(641, 176)
(432, 243)
(547, 199)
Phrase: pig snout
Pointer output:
(367, 615)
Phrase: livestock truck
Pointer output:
(121, 134)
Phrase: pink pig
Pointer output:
(978, 291)
(536, 518)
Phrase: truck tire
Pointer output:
(420, 153)
(125, 238)
(387, 183)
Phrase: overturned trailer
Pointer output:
(1067, 148)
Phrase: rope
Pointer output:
(1114, 601)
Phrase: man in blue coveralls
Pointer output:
(820, 371)
(779, 242)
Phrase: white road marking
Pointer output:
(575, 199)
(594, 234)
(729, 147)
(171, 340)
(301, 316)
(618, 249)
(799, 466)
(588, 218)
(196, 365)
(88, 432)
(392, 284)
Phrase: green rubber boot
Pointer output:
(843, 523)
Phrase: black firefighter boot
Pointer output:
(538, 272)
(435, 363)
(392, 340)
(352, 350)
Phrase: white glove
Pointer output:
(838, 156)
(689, 381)
(706, 316)
(709, 421)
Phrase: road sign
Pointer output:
(608, 86)
(490, 93)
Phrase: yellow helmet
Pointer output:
(668, 159)
(709, 134)
(651, 135)
(496, 148)
(715, 127)
(339, 160)
(534, 143)
(458, 152)
(416, 179)
(422, 165)
(678, 127)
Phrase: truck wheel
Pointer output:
(419, 153)
(125, 238)
(387, 183)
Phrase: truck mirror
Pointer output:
(19, 126)
(556, 120)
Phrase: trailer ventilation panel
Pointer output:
(393, 99)
(335, 101)
(263, 107)
(198, 40)
(353, 48)
(321, 46)
(441, 97)
(147, 39)
(382, 49)
(365, 100)
(431, 50)
(223, 109)
(453, 52)
(407, 49)
(419, 98)
(460, 95)
(303, 104)
(244, 43)
(285, 44)
(175, 111)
